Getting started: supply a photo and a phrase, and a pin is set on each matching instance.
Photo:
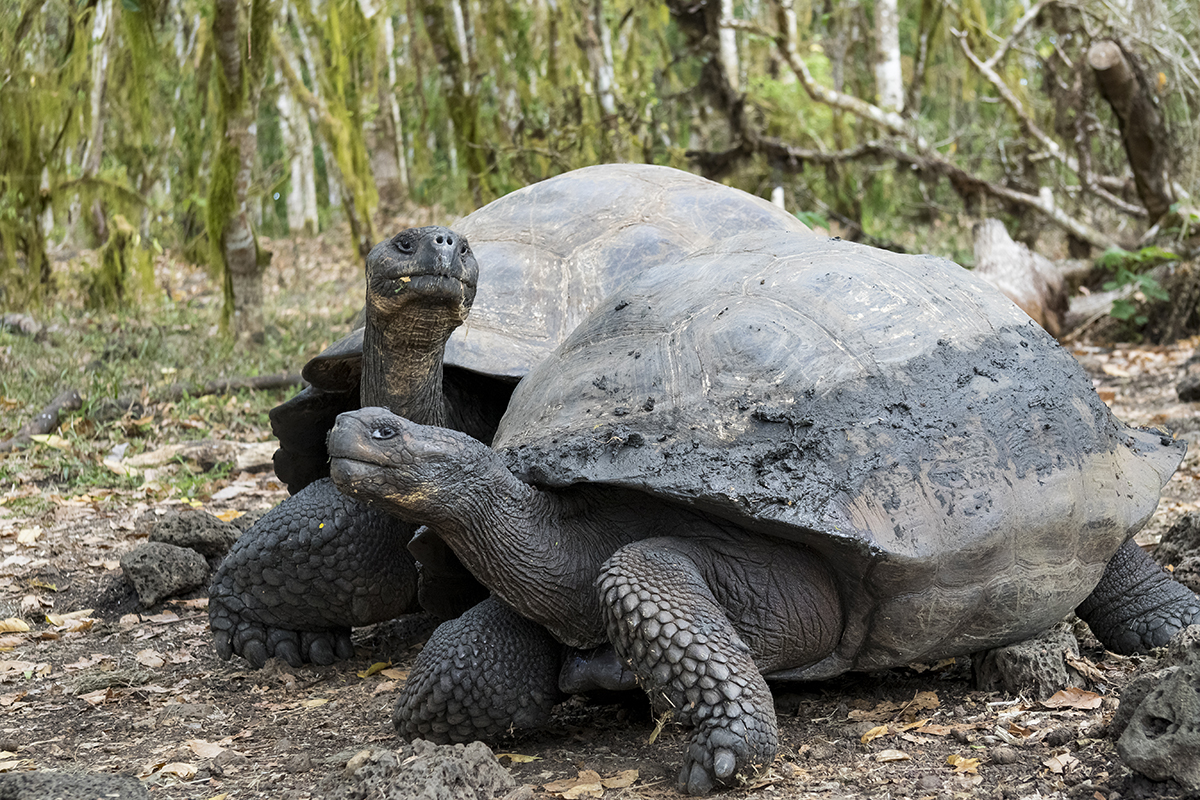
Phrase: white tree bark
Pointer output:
(597, 43)
(389, 36)
(889, 80)
(727, 46)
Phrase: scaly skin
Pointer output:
(696, 614)
(1137, 606)
(292, 588)
(487, 674)
(318, 564)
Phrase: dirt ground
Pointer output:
(141, 691)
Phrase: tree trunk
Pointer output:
(889, 80)
(1142, 130)
(727, 46)
(297, 141)
(456, 82)
(231, 233)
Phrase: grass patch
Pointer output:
(312, 291)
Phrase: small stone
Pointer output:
(300, 762)
(1035, 666)
(70, 786)
(207, 535)
(928, 783)
(1004, 754)
(158, 570)
(230, 761)
(1059, 736)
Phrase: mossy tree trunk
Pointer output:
(242, 46)
(458, 84)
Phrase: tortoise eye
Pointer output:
(403, 244)
(383, 432)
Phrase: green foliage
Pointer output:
(1127, 268)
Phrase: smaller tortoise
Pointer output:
(779, 458)
(319, 563)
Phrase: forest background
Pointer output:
(196, 127)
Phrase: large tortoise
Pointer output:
(781, 457)
(319, 563)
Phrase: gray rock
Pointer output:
(158, 570)
(1036, 667)
(1162, 739)
(49, 785)
(1132, 695)
(199, 530)
(420, 771)
(1181, 540)
(1184, 648)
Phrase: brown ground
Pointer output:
(142, 692)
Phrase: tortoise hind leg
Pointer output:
(1137, 605)
(699, 621)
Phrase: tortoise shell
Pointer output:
(550, 251)
(949, 458)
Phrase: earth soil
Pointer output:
(118, 688)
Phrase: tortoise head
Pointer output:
(429, 267)
(413, 471)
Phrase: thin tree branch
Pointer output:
(1018, 29)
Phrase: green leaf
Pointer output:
(812, 219)
(131, 6)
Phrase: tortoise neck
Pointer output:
(402, 364)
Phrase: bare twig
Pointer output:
(1018, 29)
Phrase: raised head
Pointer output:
(432, 266)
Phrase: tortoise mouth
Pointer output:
(431, 285)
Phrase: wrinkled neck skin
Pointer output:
(402, 362)
(538, 551)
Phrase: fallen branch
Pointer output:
(177, 391)
(45, 421)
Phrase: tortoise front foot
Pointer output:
(312, 568)
(235, 634)
(663, 619)
(481, 676)
(1137, 605)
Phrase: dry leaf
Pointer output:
(316, 701)
(621, 780)
(97, 697)
(1060, 763)
(885, 756)
(1073, 697)
(924, 701)
(149, 658)
(874, 733)
(14, 667)
(1084, 667)
(13, 625)
(587, 784)
(28, 535)
(50, 440)
(204, 749)
(184, 771)
(963, 764)
(229, 514)
(378, 666)
(394, 674)
(518, 758)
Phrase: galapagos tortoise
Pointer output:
(319, 564)
(780, 457)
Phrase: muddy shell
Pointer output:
(948, 457)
